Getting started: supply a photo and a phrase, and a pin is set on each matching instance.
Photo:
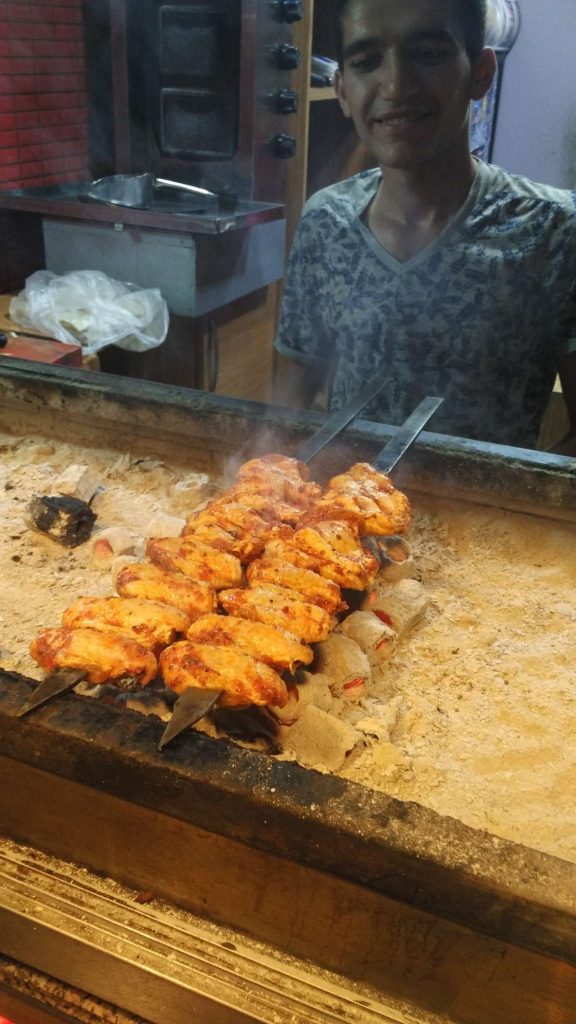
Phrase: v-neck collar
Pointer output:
(403, 266)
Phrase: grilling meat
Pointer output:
(103, 655)
(144, 579)
(269, 503)
(197, 560)
(269, 644)
(238, 519)
(313, 587)
(153, 624)
(230, 527)
(280, 477)
(377, 506)
(279, 606)
(316, 547)
(243, 679)
(243, 548)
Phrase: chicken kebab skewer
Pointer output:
(326, 547)
(243, 533)
(104, 640)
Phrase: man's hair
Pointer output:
(472, 15)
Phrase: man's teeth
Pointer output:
(404, 119)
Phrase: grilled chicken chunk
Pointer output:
(279, 606)
(243, 548)
(144, 579)
(371, 497)
(243, 679)
(236, 518)
(365, 474)
(153, 624)
(280, 477)
(267, 643)
(230, 527)
(197, 560)
(309, 584)
(271, 505)
(311, 548)
(342, 537)
(103, 655)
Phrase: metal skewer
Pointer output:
(58, 682)
(406, 434)
(190, 707)
(339, 420)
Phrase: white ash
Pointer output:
(77, 481)
(346, 665)
(375, 638)
(162, 525)
(318, 740)
(313, 688)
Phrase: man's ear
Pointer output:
(341, 92)
(483, 72)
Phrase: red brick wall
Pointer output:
(43, 132)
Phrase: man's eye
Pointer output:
(429, 56)
(366, 63)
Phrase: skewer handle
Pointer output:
(406, 434)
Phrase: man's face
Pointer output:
(407, 79)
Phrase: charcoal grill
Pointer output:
(404, 906)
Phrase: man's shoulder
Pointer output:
(502, 185)
(345, 198)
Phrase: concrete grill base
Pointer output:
(385, 893)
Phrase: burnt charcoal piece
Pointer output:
(68, 521)
(248, 724)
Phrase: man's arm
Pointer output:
(301, 385)
(567, 374)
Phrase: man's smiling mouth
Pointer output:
(400, 118)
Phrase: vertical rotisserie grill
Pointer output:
(200, 92)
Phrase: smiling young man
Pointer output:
(443, 272)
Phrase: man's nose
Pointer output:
(396, 78)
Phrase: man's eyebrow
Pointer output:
(423, 36)
(436, 35)
(360, 46)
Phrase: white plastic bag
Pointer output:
(87, 308)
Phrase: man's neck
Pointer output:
(412, 207)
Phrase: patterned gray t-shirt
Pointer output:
(478, 316)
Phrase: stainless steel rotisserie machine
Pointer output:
(194, 90)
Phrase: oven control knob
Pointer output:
(284, 145)
(288, 56)
(290, 10)
(286, 101)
